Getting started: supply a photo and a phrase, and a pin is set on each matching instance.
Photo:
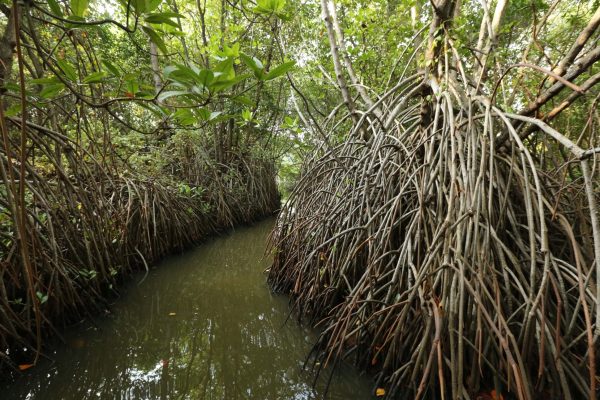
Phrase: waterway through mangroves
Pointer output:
(202, 325)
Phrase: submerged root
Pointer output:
(441, 260)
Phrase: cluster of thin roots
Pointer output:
(86, 227)
(440, 260)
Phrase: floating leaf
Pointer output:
(172, 314)
(23, 367)
(380, 392)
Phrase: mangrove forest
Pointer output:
(295, 199)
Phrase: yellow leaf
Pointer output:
(172, 314)
(23, 367)
(380, 392)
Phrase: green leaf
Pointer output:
(184, 116)
(13, 110)
(141, 6)
(41, 297)
(132, 86)
(163, 18)
(280, 70)
(111, 67)
(247, 115)
(205, 77)
(13, 87)
(224, 70)
(270, 7)
(182, 74)
(168, 70)
(203, 113)
(51, 90)
(68, 70)
(55, 8)
(243, 100)
(155, 37)
(255, 65)
(95, 77)
(165, 95)
(233, 51)
(79, 7)
(222, 85)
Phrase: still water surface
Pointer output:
(202, 325)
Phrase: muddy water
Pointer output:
(202, 325)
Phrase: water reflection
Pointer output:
(201, 326)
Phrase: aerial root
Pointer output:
(440, 262)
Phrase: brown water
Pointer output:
(202, 325)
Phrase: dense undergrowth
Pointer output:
(123, 139)
(87, 231)
(447, 245)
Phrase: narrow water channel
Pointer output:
(202, 325)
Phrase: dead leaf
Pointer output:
(496, 396)
(23, 367)
(380, 392)
(172, 314)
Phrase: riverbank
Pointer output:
(108, 228)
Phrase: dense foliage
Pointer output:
(130, 129)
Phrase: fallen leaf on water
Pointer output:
(380, 392)
(496, 396)
(172, 314)
(23, 367)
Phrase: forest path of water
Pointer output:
(202, 325)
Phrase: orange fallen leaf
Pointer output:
(380, 392)
(23, 367)
(492, 395)
(496, 396)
